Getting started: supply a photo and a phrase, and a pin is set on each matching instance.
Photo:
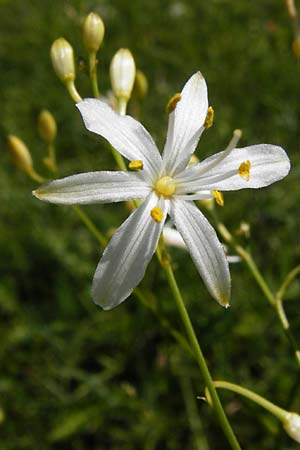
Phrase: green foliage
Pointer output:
(72, 375)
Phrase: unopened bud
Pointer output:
(291, 424)
(62, 58)
(19, 153)
(47, 126)
(93, 32)
(122, 73)
(243, 230)
(140, 85)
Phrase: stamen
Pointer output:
(172, 103)
(232, 144)
(209, 118)
(136, 165)
(244, 170)
(157, 214)
(236, 136)
(218, 197)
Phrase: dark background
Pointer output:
(73, 376)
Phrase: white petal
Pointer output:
(127, 255)
(186, 125)
(269, 163)
(94, 187)
(204, 246)
(124, 133)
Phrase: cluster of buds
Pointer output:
(123, 74)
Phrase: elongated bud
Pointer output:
(140, 85)
(19, 153)
(47, 126)
(62, 58)
(122, 73)
(93, 32)
(291, 424)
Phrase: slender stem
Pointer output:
(256, 273)
(119, 159)
(281, 312)
(52, 157)
(93, 74)
(217, 406)
(90, 225)
(280, 413)
(287, 281)
(274, 300)
(73, 91)
(32, 173)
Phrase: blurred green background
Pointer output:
(73, 376)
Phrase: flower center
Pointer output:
(165, 186)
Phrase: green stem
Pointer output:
(217, 406)
(35, 176)
(278, 412)
(288, 279)
(93, 74)
(91, 226)
(281, 312)
(52, 156)
(274, 300)
(256, 273)
(73, 91)
(119, 159)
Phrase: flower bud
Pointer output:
(47, 126)
(291, 424)
(141, 85)
(93, 32)
(19, 153)
(122, 73)
(63, 60)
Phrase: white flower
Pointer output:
(167, 186)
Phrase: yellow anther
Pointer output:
(218, 197)
(244, 170)
(209, 120)
(172, 103)
(165, 186)
(136, 165)
(157, 214)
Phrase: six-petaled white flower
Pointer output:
(167, 186)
